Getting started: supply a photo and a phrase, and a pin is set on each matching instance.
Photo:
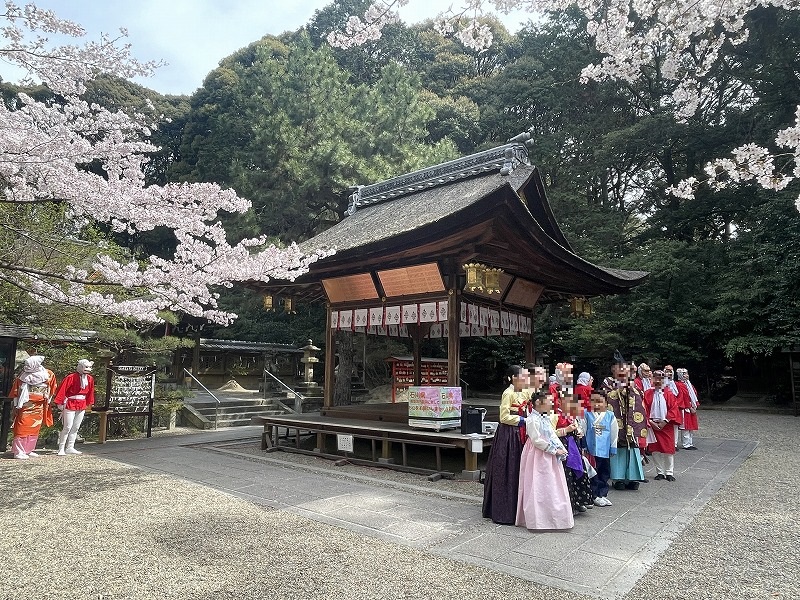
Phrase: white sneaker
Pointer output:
(608, 502)
(21, 456)
(72, 451)
(61, 452)
(33, 455)
(599, 501)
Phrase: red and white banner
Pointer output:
(392, 315)
(428, 312)
(475, 320)
(376, 316)
(410, 314)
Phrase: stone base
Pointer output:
(471, 475)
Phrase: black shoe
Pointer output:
(670, 478)
(645, 480)
(632, 485)
(619, 485)
(580, 508)
(691, 448)
(659, 476)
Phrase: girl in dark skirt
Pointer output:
(501, 487)
(569, 432)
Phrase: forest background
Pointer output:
(291, 123)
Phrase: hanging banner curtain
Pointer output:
(475, 321)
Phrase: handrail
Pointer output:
(466, 387)
(209, 392)
(298, 406)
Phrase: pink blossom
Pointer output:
(42, 148)
(687, 35)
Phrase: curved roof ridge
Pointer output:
(502, 158)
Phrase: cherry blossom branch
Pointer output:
(44, 151)
(686, 36)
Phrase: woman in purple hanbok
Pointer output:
(543, 501)
(502, 467)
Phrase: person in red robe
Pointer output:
(688, 403)
(554, 389)
(32, 391)
(661, 409)
(563, 384)
(74, 396)
(643, 377)
(583, 390)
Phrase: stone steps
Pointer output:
(235, 407)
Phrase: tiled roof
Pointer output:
(242, 346)
(23, 332)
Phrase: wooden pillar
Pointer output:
(453, 334)
(102, 427)
(330, 361)
(530, 344)
(529, 355)
(386, 450)
(470, 460)
(415, 331)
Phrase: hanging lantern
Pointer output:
(475, 274)
(491, 280)
(587, 308)
(288, 306)
(269, 303)
(576, 306)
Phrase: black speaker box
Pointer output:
(471, 420)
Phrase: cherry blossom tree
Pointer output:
(86, 163)
(684, 38)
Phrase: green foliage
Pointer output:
(286, 128)
(486, 360)
(291, 124)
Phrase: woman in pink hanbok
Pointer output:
(543, 500)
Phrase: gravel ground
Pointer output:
(745, 542)
(124, 533)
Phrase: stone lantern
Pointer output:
(309, 359)
(311, 392)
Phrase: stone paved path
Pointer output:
(619, 542)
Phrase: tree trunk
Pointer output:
(344, 371)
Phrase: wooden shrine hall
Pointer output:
(465, 248)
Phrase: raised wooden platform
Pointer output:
(388, 412)
(396, 412)
(381, 423)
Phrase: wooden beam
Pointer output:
(417, 332)
(453, 334)
(330, 360)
